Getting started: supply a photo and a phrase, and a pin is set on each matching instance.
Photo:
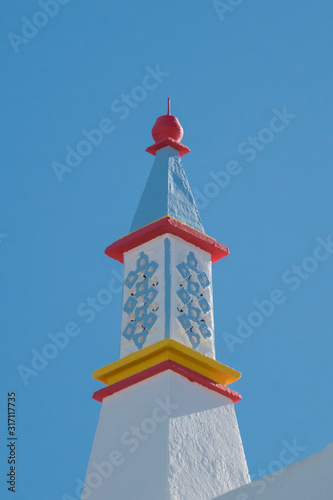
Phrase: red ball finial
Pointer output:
(167, 131)
(167, 126)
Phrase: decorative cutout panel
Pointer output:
(141, 304)
(194, 305)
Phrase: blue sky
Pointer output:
(228, 75)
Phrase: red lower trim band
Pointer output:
(191, 375)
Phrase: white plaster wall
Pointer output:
(206, 454)
(188, 446)
(308, 479)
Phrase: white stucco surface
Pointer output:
(165, 438)
(308, 479)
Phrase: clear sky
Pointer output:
(252, 87)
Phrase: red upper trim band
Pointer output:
(162, 226)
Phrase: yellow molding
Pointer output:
(164, 350)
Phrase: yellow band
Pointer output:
(162, 351)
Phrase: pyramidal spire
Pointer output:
(167, 191)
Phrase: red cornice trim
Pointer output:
(163, 226)
(191, 375)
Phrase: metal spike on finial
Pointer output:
(168, 106)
